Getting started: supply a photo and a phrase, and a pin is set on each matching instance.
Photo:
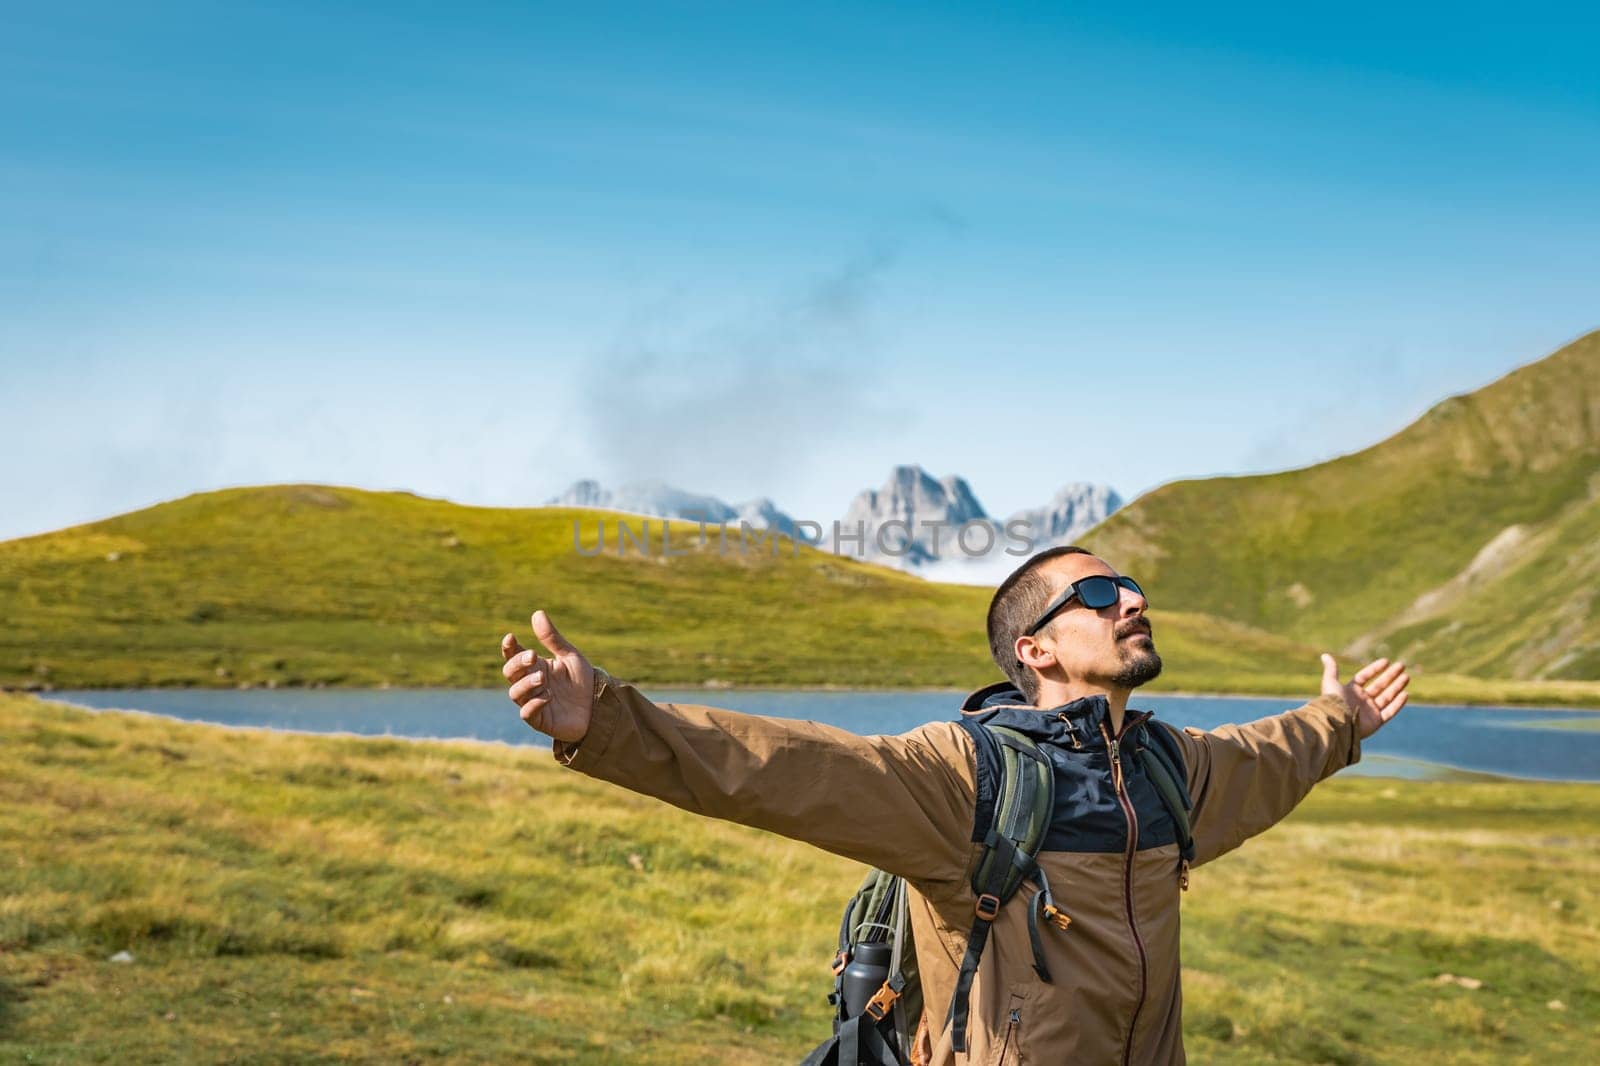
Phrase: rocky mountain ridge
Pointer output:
(660, 500)
(914, 522)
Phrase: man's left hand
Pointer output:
(1376, 693)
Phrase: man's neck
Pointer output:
(1056, 693)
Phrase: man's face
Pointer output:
(1114, 645)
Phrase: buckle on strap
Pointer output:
(1058, 917)
(987, 907)
(840, 961)
(882, 1000)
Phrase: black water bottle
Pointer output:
(866, 973)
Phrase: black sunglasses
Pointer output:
(1093, 592)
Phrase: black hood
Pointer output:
(999, 694)
(1002, 703)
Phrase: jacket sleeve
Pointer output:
(1245, 778)
(902, 803)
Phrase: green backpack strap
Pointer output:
(1024, 802)
(1163, 763)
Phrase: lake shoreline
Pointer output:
(1431, 771)
(1441, 739)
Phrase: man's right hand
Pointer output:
(1376, 694)
(556, 694)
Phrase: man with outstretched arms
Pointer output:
(1073, 639)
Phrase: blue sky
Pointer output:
(479, 251)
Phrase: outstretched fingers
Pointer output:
(1369, 671)
(1395, 685)
(1377, 685)
(1389, 710)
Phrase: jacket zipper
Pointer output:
(1114, 745)
(1016, 1020)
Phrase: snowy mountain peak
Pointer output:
(914, 514)
(1075, 508)
(916, 522)
(660, 500)
(938, 527)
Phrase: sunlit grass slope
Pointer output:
(1536, 617)
(300, 585)
(1467, 542)
(311, 899)
(309, 585)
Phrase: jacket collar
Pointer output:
(1071, 723)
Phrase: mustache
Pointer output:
(1137, 625)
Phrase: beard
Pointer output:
(1139, 665)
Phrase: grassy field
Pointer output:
(310, 585)
(337, 900)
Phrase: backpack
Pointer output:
(881, 1030)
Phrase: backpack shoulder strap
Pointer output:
(1023, 802)
(1163, 737)
(1163, 762)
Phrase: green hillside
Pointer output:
(305, 585)
(1528, 610)
(1466, 542)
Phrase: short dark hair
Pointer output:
(1017, 604)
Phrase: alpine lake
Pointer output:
(1425, 741)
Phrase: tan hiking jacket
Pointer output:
(908, 804)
